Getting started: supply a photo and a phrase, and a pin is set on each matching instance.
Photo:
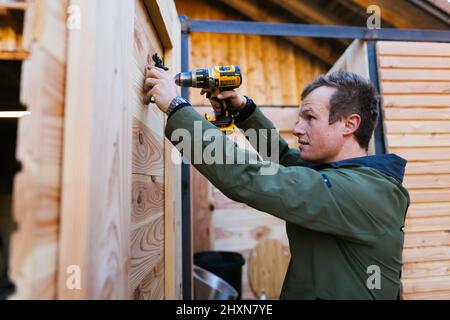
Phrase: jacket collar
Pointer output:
(389, 164)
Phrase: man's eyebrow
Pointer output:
(305, 110)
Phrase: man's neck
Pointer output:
(348, 151)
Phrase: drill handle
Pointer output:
(225, 110)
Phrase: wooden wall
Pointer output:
(37, 188)
(274, 70)
(118, 215)
(415, 84)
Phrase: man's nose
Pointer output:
(299, 129)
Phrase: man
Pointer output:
(344, 210)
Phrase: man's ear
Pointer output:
(351, 124)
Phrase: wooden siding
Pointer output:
(37, 188)
(415, 85)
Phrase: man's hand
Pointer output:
(159, 85)
(235, 101)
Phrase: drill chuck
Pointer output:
(184, 79)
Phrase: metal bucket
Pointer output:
(208, 286)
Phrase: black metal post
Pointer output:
(185, 181)
(380, 139)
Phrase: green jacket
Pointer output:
(342, 219)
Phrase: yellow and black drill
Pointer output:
(214, 81)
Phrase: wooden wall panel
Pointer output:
(147, 235)
(416, 96)
(96, 208)
(90, 132)
(37, 188)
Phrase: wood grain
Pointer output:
(147, 199)
(440, 223)
(428, 167)
(417, 210)
(404, 87)
(202, 207)
(148, 152)
(147, 253)
(423, 153)
(417, 100)
(37, 188)
(96, 205)
(427, 239)
(433, 127)
(268, 263)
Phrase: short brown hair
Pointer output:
(354, 94)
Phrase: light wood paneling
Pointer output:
(415, 88)
(37, 188)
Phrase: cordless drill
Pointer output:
(214, 81)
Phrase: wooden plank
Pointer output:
(404, 87)
(147, 252)
(426, 254)
(96, 204)
(426, 269)
(267, 265)
(427, 224)
(255, 69)
(37, 188)
(401, 48)
(417, 210)
(426, 284)
(428, 100)
(422, 153)
(438, 195)
(414, 75)
(427, 181)
(271, 61)
(164, 18)
(172, 225)
(147, 199)
(392, 126)
(432, 295)
(427, 239)
(414, 62)
(202, 207)
(173, 282)
(148, 152)
(243, 229)
(429, 167)
(416, 113)
(418, 140)
(152, 286)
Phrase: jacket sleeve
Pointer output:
(298, 195)
(258, 121)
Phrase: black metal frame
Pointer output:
(313, 31)
(185, 186)
(291, 30)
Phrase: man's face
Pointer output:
(320, 142)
